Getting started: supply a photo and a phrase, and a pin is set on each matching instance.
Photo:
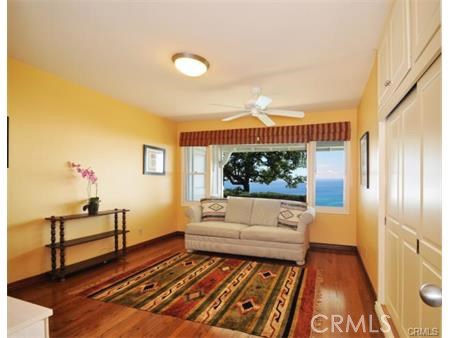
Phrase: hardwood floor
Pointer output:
(345, 291)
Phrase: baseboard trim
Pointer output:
(388, 331)
(369, 282)
(333, 247)
(155, 240)
(44, 276)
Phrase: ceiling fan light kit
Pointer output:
(258, 107)
(189, 64)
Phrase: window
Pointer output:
(194, 173)
(330, 175)
(316, 172)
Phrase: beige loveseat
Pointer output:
(250, 228)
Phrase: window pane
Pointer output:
(195, 167)
(198, 187)
(266, 174)
(199, 159)
(330, 174)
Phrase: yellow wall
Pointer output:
(53, 121)
(327, 228)
(367, 216)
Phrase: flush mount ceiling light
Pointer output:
(190, 64)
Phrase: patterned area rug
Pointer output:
(258, 298)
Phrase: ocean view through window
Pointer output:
(267, 174)
(329, 175)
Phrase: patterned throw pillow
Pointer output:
(290, 214)
(213, 209)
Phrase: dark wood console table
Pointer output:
(63, 270)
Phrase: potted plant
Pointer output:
(89, 174)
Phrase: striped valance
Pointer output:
(336, 131)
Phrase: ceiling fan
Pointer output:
(258, 107)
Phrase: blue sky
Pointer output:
(330, 164)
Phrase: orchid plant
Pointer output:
(88, 174)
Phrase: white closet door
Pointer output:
(410, 214)
(430, 96)
(393, 146)
(413, 210)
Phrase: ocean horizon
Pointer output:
(329, 192)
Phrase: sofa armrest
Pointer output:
(308, 216)
(305, 219)
(194, 213)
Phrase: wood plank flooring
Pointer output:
(344, 290)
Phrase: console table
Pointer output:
(63, 270)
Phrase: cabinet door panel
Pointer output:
(425, 21)
(384, 70)
(400, 60)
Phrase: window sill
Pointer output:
(331, 210)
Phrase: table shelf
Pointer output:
(87, 239)
(63, 270)
(88, 263)
(85, 215)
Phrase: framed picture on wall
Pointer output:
(154, 160)
(364, 159)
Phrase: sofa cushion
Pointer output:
(265, 212)
(239, 210)
(272, 234)
(215, 229)
(290, 213)
(213, 209)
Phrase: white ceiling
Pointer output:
(306, 54)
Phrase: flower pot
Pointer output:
(92, 206)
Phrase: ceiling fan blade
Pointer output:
(262, 102)
(227, 105)
(287, 113)
(233, 117)
(266, 120)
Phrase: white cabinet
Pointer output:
(425, 21)
(400, 58)
(27, 320)
(394, 60)
(410, 44)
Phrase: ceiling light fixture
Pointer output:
(190, 64)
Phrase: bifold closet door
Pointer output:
(413, 204)
(429, 91)
(392, 231)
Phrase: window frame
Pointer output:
(211, 152)
(185, 174)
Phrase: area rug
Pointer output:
(254, 297)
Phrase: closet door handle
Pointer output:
(387, 83)
(431, 295)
